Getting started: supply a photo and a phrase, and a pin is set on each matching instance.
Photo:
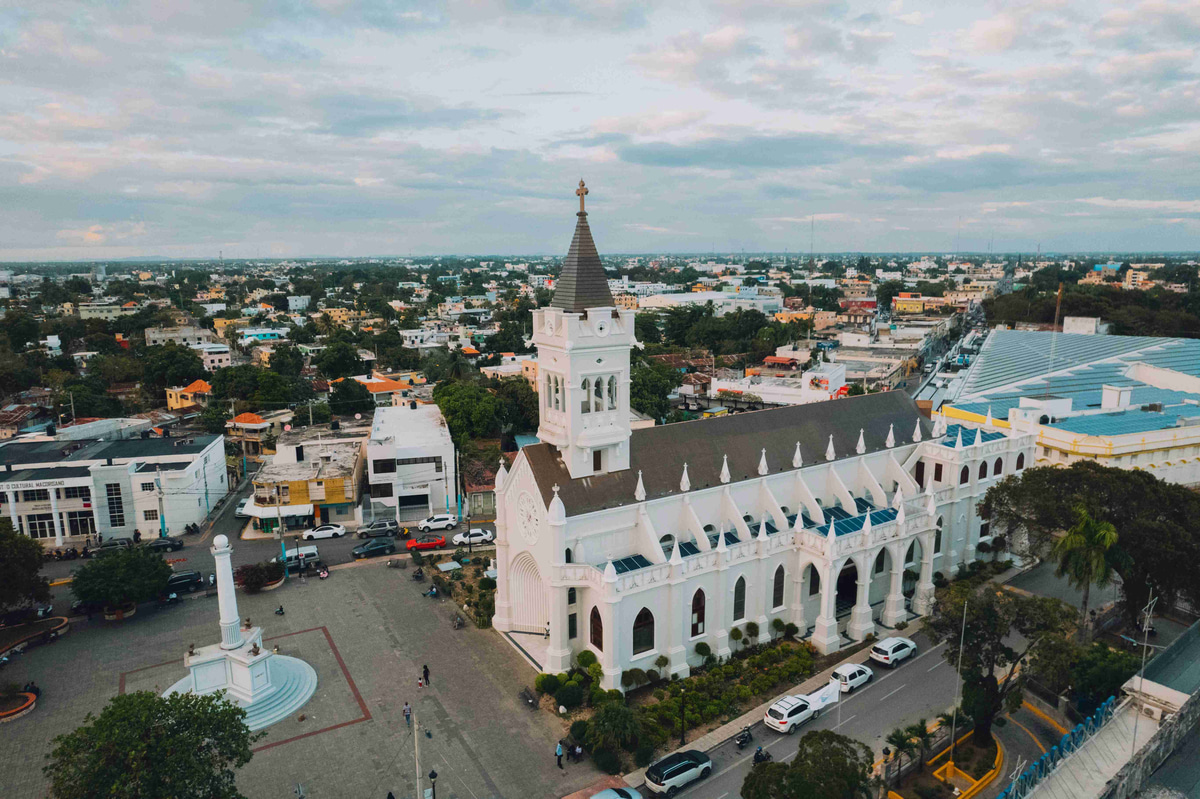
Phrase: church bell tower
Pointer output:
(583, 342)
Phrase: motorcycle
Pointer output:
(761, 756)
(169, 599)
(86, 553)
(279, 611)
(323, 574)
(743, 738)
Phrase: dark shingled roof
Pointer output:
(660, 451)
(582, 283)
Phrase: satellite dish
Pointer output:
(358, 416)
(287, 427)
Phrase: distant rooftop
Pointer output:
(411, 428)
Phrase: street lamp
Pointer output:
(433, 783)
(682, 717)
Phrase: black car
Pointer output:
(379, 528)
(376, 546)
(164, 544)
(184, 581)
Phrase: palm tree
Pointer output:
(1085, 556)
(900, 739)
(920, 735)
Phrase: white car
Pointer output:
(476, 536)
(677, 770)
(442, 521)
(240, 510)
(890, 651)
(789, 713)
(852, 675)
(324, 531)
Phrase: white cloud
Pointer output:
(1167, 206)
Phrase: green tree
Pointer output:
(21, 565)
(350, 396)
(650, 386)
(901, 741)
(145, 746)
(339, 359)
(169, 365)
(1003, 632)
(470, 410)
(287, 360)
(613, 726)
(645, 326)
(1099, 673)
(922, 739)
(21, 329)
(1085, 556)
(826, 766)
(214, 418)
(518, 405)
(118, 578)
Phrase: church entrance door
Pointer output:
(530, 605)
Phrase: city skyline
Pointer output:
(154, 129)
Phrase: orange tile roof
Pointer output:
(470, 351)
(248, 418)
(198, 387)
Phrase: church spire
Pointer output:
(582, 283)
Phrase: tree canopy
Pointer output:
(650, 386)
(145, 746)
(117, 578)
(470, 410)
(21, 565)
(827, 766)
(350, 396)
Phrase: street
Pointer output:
(921, 687)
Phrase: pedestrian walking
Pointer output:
(425, 673)
(391, 795)
(558, 753)
(420, 683)
(407, 714)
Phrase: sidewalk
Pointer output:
(726, 731)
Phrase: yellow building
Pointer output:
(194, 393)
(344, 316)
(220, 324)
(627, 301)
(310, 482)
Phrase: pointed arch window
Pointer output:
(937, 537)
(1020, 461)
(568, 556)
(612, 393)
(983, 470)
(596, 630)
(598, 401)
(585, 404)
(964, 476)
(814, 581)
(777, 589)
(880, 562)
(698, 613)
(997, 467)
(643, 632)
(739, 599)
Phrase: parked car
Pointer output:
(616, 793)
(476, 535)
(300, 558)
(789, 713)
(324, 531)
(427, 542)
(376, 546)
(27, 613)
(440, 521)
(379, 527)
(852, 675)
(113, 545)
(164, 544)
(677, 770)
(240, 510)
(890, 651)
(81, 608)
(179, 582)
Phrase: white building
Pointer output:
(410, 462)
(641, 543)
(61, 491)
(299, 303)
(723, 302)
(214, 356)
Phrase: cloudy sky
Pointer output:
(362, 127)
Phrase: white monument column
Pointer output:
(231, 636)
(12, 510)
(58, 529)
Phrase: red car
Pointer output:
(427, 542)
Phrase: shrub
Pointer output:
(137, 574)
(615, 696)
(417, 558)
(488, 584)
(644, 755)
(597, 697)
(751, 630)
(901, 625)
(778, 626)
(460, 554)
(585, 658)
(569, 696)
(579, 730)
(254, 576)
(661, 662)
(545, 683)
(595, 672)
(735, 634)
(703, 649)
(606, 760)
(652, 676)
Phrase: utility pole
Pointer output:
(162, 516)
(71, 394)
(958, 690)
(1148, 610)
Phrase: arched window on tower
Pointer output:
(777, 589)
(739, 599)
(585, 404)
(964, 476)
(937, 537)
(997, 467)
(612, 393)
(558, 397)
(698, 613)
(643, 632)
(598, 399)
(596, 630)
(567, 556)
(983, 470)
(1020, 461)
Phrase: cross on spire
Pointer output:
(581, 192)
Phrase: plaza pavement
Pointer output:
(367, 631)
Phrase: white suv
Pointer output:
(677, 770)
(789, 713)
(441, 521)
(890, 651)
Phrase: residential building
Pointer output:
(106, 311)
(384, 389)
(221, 325)
(298, 303)
(311, 480)
(214, 356)
(195, 393)
(722, 302)
(410, 463)
(636, 544)
(257, 335)
(184, 335)
(256, 434)
(61, 492)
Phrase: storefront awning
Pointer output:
(275, 511)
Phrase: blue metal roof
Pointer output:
(1116, 424)
(970, 436)
(855, 523)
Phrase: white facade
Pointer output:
(410, 462)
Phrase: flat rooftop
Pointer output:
(316, 432)
(411, 428)
(343, 458)
(18, 452)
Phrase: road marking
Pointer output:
(63, 581)
(935, 665)
(846, 721)
(893, 692)
(1027, 732)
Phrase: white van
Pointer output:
(300, 558)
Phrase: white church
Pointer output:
(833, 516)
